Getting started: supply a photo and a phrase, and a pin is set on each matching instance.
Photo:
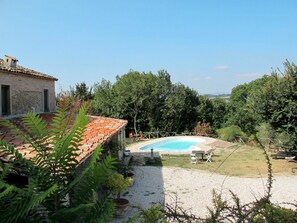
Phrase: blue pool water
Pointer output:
(173, 145)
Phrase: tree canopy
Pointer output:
(151, 102)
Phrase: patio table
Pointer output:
(199, 152)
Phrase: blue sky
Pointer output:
(210, 46)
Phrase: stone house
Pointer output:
(24, 90)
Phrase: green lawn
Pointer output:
(244, 161)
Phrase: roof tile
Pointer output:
(25, 71)
(98, 131)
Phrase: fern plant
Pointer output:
(55, 192)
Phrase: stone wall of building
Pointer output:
(27, 93)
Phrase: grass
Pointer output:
(246, 161)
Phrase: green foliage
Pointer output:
(205, 110)
(55, 191)
(240, 110)
(149, 102)
(154, 214)
(265, 133)
(117, 184)
(152, 103)
(81, 91)
(276, 103)
(180, 109)
(232, 133)
(156, 161)
(272, 213)
(219, 112)
(283, 140)
(132, 94)
(154, 112)
(103, 103)
(219, 205)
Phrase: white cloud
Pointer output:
(221, 67)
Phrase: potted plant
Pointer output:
(126, 170)
(117, 184)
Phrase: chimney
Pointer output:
(10, 61)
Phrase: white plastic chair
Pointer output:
(208, 156)
(193, 158)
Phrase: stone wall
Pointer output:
(26, 93)
(24, 101)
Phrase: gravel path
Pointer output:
(193, 188)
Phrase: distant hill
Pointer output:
(225, 96)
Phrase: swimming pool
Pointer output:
(178, 144)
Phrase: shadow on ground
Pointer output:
(148, 187)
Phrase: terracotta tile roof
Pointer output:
(99, 130)
(24, 71)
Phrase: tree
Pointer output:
(103, 102)
(81, 91)
(132, 92)
(240, 112)
(179, 111)
(205, 110)
(161, 89)
(276, 103)
(54, 192)
(219, 112)
(135, 96)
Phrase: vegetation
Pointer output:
(117, 184)
(231, 133)
(55, 192)
(82, 92)
(259, 210)
(264, 109)
(245, 161)
(151, 102)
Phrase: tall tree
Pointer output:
(104, 100)
(276, 103)
(180, 112)
(219, 112)
(205, 110)
(161, 89)
(82, 91)
(132, 93)
(239, 109)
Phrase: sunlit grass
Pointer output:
(245, 161)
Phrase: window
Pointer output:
(5, 100)
(45, 100)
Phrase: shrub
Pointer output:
(117, 183)
(271, 213)
(203, 129)
(231, 133)
(283, 140)
(265, 134)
